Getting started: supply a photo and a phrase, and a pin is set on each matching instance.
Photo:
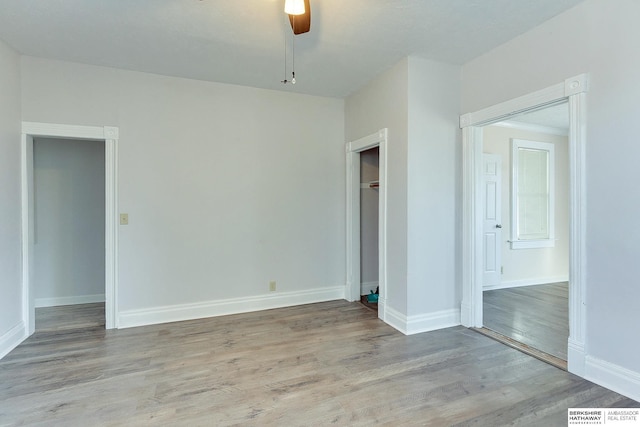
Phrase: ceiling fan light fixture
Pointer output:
(294, 7)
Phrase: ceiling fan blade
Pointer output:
(301, 23)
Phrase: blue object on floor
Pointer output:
(372, 297)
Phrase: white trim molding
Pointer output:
(572, 90)
(353, 150)
(110, 136)
(410, 325)
(180, 312)
(80, 299)
(12, 338)
(613, 377)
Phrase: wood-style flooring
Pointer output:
(331, 363)
(537, 316)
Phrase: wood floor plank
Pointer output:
(321, 364)
(537, 316)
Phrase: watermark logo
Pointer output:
(603, 416)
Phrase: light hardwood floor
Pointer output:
(537, 316)
(331, 363)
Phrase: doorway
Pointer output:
(573, 91)
(354, 283)
(369, 203)
(109, 138)
(69, 222)
(526, 270)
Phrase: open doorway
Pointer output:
(354, 149)
(369, 203)
(573, 91)
(108, 138)
(526, 228)
(69, 233)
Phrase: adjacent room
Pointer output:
(311, 212)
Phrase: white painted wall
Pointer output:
(11, 326)
(418, 100)
(383, 103)
(69, 221)
(434, 190)
(226, 187)
(541, 265)
(369, 201)
(602, 38)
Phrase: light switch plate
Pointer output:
(124, 219)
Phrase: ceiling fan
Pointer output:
(299, 12)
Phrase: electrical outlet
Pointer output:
(272, 286)
(124, 219)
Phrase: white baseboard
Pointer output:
(433, 321)
(613, 377)
(175, 313)
(367, 287)
(526, 282)
(576, 357)
(416, 324)
(81, 299)
(12, 338)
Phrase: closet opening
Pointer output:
(69, 233)
(369, 201)
(369, 271)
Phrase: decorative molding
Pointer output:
(111, 132)
(55, 130)
(179, 312)
(577, 229)
(472, 242)
(614, 377)
(526, 282)
(81, 299)
(577, 84)
(573, 90)
(531, 127)
(12, 338)
(547, 96)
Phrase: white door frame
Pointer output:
(110, 137)
(574, 91)
(354, 148)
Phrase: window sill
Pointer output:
(533, 244)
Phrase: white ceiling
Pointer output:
(242, 41)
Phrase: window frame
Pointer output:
(516, 242)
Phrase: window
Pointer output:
(532, 201)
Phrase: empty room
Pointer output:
(278, 212)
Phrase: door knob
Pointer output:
(498, 225)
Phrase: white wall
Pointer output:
(69, 221)
(541, 265)
(369, 201)
(11, 326)
(602, 38)
(383, 103)
(226, 187)
(418, 100)
(434, 192)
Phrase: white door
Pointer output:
(492, 219)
